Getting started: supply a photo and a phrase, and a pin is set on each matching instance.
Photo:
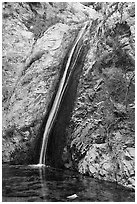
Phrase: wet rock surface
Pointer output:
(36, 38)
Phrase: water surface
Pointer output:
(33, 184)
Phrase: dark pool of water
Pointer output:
(31, 184)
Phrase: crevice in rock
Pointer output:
(57, 137)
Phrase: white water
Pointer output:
(35, 166)
(56, 103)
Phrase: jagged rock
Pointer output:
(105, 131)
(100, 163)
(36, 38)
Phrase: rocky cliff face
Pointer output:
(102, 124)
(36, 38)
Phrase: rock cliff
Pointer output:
(36, 39)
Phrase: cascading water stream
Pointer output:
(60, 92)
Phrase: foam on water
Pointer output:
(37, 165)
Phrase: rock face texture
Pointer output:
(102, 124)
(35, 41)
(36, 38)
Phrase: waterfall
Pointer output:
(60, 92)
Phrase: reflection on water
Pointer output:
(34, 184)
